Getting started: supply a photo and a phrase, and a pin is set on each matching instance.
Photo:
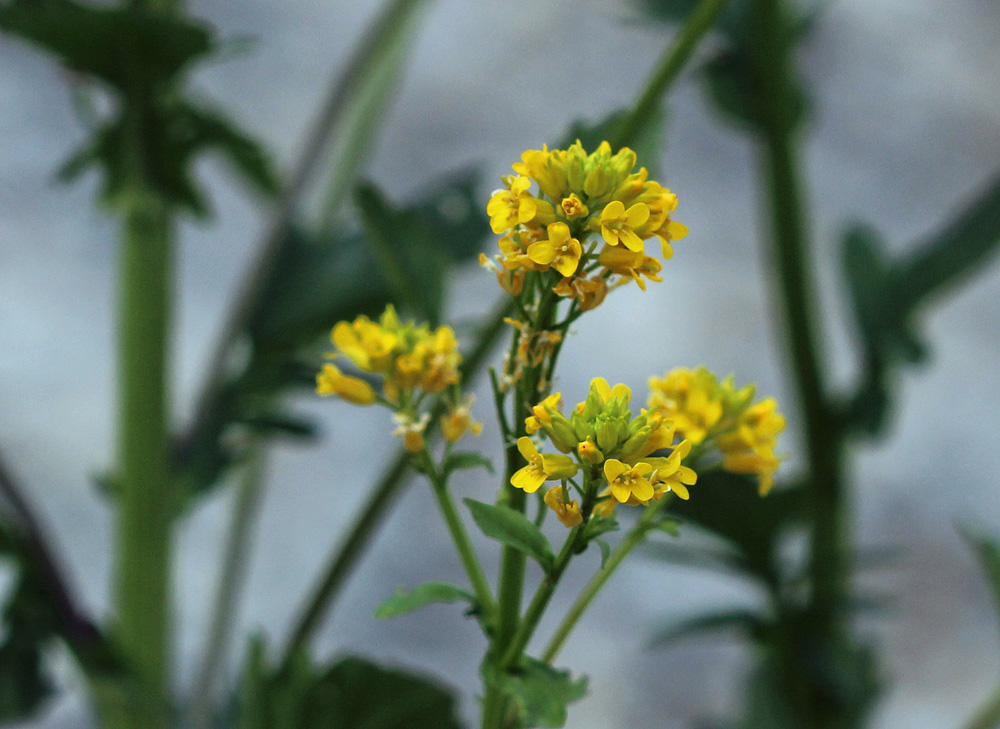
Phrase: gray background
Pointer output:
(907, 125)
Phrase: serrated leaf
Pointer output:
(541, 693)
(460, 460)
(119, 45)
(740, 619)
(403, 602)
(513, 529)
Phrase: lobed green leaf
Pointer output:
(513, 529)
(404, 602)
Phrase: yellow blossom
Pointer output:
(560, 251)
(604, 509)
(540, 413)
(541, 467)
(411, 431)
(458, 421)
(331, 381)
(618, 224)
(671, 474)
(588, 292)
(635, 264)
(568, 512)
(365, 343)
(693, 399)
(625, 483)
(573, 207)
(511, 205)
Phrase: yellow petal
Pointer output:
(526, 447)
(528, 479)
(613, 468)
(681, 491)
(542, 252)
(676, 230)
(637, 215)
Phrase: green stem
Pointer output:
(632, 540)
(699, 22)
(540, 601)
(245, 510)
(345, 554)
(145, 507)
(461, 538)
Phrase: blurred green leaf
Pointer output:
(349, 694)
(177, 133)
(746, 621)
(513, 529)
(118, 45)
(728, 506)
(460, 460)
(887, 296)
(540, 692)
(987, 551)
(408, 601)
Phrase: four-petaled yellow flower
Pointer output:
(672, 475)
(331, 381)
(514, 204)
(541, 467)
(568, 512)
(560, 250)
(625, 483)
(635, 264)
(618, 224)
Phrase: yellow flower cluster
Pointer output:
(580, 196)
(412, 360)
(601, 434)
(706, 411)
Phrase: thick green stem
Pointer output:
(632, 540)
(484, 596)
(145, 507)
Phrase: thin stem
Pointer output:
(231, 578)
(146, 505)
(536, 608)
(345, 555)
(461, 538)
(699, 22)
(633, 539)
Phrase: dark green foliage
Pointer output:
(540, 692)
(313, 283)
(888, 295)
(746, 621)
(728, 506)
(29, 626)
(404, 602)
(118, 45)
(513, 529)
(350, 693)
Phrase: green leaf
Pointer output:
(404, 602)
(119, 45)
(728, 506)
(669, 526)
(597, 526)
(605, 550)
(740, 619)
(351, 693)
(460, 460)
(542, 693)
(513, 529)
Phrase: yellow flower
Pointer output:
(560, 250)
(567, 511)
(540, 413)
(588, 451)
(511, 205)
(625, 483)
(670, 474)
(459, 420)
(693, 399)
(541, 467)
(761, 463)
(749, 447)
(604, 509)
(588, 292)
(573, 207)
(546, 168)
(411, 431)
(626, 262)
(331, 381)
(618, 224)
(365, 343)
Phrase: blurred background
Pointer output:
(905, 127)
